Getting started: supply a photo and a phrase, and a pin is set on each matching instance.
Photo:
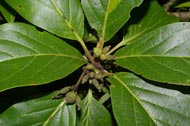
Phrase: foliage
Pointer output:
(93, 62)
(184, 4)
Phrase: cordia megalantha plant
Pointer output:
(93, 63)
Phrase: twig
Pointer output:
(75, 87)
(169, 4)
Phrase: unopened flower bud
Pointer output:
(103, 57)
(110, 57)
(89, 67)
(97, 52)
(65, 90)
(106, 49)
(78, 103)
(85, 79)
(71, 97)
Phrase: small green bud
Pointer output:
(89, 67)
(65, 90)
(78, 103)
(57, 96)
(97, 52)
(90, 38)
(96, 71)
(99, 87)
(61, 92)
(91, 75)
(110, 57)
(105, 90)
(103, 57)
(106, 74)
(95, 82)
(106, 49)
(71, 97)
(85, 78)
(99, 76)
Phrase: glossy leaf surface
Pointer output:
(41, 111)
(30, 57)
(161, 55)
(108, 16)
(61, 17)
(137, 103)
(145, 19)
(94, 113)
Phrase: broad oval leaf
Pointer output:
(93, 113)
(138, 103)
(143, 20)
(30, 57)
(61, 17)
(108, 16)
(42, 111)
(161, 55)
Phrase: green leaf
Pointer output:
(42, 111)
(7, 12)
(161, 55)
(30, 57)
(61, 17)
(184, 4)
(143, 20)
(108, 16)
(93, 113)
(137, 103)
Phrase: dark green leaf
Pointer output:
(94, 113)
(143, 20)
(161, 55)
(137, 103)
(29, 57)
(42, 111)
(7, 12)
(61, 17)
(108, 16)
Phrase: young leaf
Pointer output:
(161, 55)
(7, 12)
(108, 16)
(42, 111)
(30, 57)
(184, 4)
(94, 113)
(137, 103)
(61, 17)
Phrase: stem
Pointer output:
(100, 44)
(169, 4)
(122, 43)
(75, 87)
(59, 11)
(86, 50)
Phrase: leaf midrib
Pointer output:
(54, 112)
(41, 55)
(134, 96)
(89, 102)
(142, 55)
(72, 29)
